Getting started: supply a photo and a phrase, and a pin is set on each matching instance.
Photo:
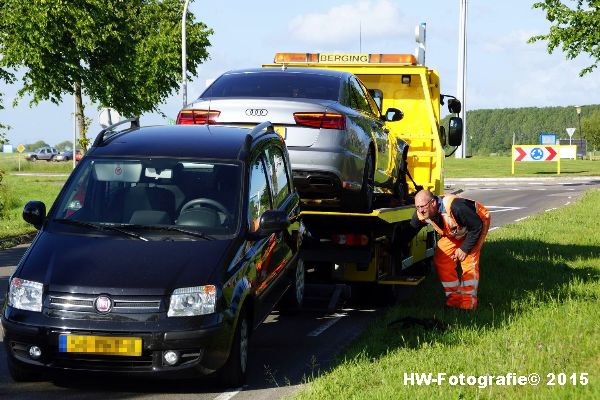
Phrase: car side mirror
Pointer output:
(34, 213)
(455, 131)
(393, 114)
(273, 221)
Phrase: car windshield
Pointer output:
(163, 195)
(275, 84)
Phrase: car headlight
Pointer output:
(190, 301)
(25, 295)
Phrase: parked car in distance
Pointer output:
(334, 130)
(43, 153)
(165, 249)
(67, 156)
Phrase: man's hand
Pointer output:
(459, 255)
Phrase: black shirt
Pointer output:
(465, 214)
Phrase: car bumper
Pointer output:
(325, 174)
(201, 350)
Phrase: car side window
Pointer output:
(279, 175)
(359, 101)
(372, 104)
(259, 194)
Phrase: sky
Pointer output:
(503, 70)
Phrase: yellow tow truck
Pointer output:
(354, 247)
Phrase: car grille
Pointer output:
(121, 304)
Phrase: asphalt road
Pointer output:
(287, 350)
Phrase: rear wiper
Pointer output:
(170, 228)
(99, 227)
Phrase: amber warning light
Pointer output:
(359, 58)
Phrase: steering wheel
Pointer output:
(204, 201)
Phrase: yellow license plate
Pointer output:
(281, 130)
(107, 345)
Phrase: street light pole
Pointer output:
(184, 53)
(461, 83)
(578, 108)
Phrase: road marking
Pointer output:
(228, 395)
(493, 229)
(567, 203)
(521, 219)
(493, 209)
(551, 209)
(326, 325)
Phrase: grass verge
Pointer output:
(539, 313)
(500, 167)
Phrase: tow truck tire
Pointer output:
(293, 299)
(21, 373)
(233, 373)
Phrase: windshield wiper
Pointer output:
(200, 235)
(99, 227)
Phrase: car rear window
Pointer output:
(273, 84)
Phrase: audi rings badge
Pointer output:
(256, 112)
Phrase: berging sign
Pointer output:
(535, 153)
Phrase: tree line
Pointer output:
(492, 131)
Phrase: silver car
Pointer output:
(334, 131)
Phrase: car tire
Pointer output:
(33, 158)
(21, 373)
(233, 373)
(51, 159)
(293, 299)
(363, 201)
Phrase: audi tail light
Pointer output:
(197, 117)
(321, 120)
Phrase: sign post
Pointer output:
(20, 149)
(570, 132)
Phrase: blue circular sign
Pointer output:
(536, 153)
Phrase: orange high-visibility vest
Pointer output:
(451, 228)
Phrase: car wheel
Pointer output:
(363, 200)
(21, 373)
(33, 158)
(233, 373)
(294, 296)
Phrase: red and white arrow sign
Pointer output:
(535, 153)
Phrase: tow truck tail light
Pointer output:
(321, 120)
(350, 239)
(197, 117)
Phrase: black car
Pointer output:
(165, 248)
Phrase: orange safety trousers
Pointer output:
(461, 292)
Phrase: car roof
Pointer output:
(311, 71)
(182, 141)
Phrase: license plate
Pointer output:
(281, 130)
(106, 345)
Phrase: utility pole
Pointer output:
(461, 82)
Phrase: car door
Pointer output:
(370, 112)
(284, 200)
(259, 251)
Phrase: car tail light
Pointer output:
(350, 239)
(197, 117)
(321, 120)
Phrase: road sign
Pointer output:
(570, 131)
(535, 153)
(20, 148)
(547, 138)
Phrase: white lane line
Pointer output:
(551, 209)
(567, 203)
(326, 325)
(494, 209)
(228, 395)
(521, 219)
(569, 197)
(493, 229)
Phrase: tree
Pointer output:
(62, 146)
(36, 145)
(591, 130)
(120, 54)
(576, 29)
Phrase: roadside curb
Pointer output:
(525, 179)
(13, 241)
